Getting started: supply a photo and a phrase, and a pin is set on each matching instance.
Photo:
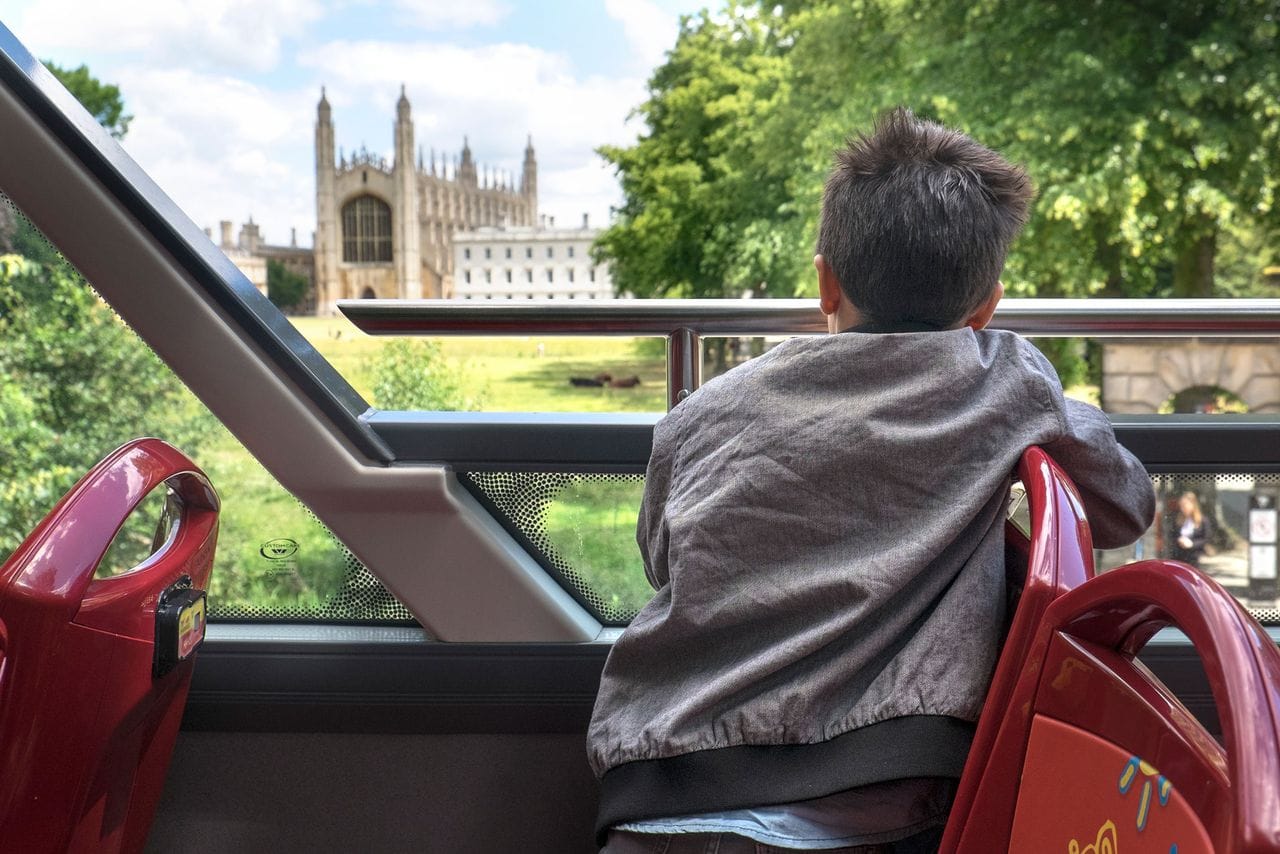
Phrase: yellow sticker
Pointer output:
(191, 626)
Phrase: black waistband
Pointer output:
(758, 775)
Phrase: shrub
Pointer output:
(416, 375)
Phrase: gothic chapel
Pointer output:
(386, 231)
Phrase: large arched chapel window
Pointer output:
(366, 231)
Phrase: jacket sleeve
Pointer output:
(1117, 492)
(652, 534)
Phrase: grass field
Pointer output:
(514, 374)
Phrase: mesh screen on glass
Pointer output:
(580, 527)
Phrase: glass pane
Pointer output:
(1224, 524)
(1123, 376)
(1189, 375)
(495, 374)
(75, 382)
(581, 527)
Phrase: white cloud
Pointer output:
(567, 194)
(226, 149)
(237, 35)
(452, 14)
(650, 32)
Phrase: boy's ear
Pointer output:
(982, 316)
(830, 296)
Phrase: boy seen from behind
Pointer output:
(824, 529)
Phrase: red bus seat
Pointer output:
(1081, 749)
(1142, 774)
(92, 682)
(1058, 556)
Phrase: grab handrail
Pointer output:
(685, 322)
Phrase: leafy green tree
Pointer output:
(1152, 131)
(1154, 135)
(74, 383)
(285, 288)
(102, 100)
(704, 194)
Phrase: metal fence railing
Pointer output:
(684, 323)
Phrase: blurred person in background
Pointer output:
(1191, 530)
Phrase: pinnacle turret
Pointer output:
(402, 105)
(322, 109)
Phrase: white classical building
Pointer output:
(528, 262)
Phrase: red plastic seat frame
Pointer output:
(1095, 631)
(1070, 662)
(1059, 558)
(86, 731)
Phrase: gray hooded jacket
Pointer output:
(823, 526)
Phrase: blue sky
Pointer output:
(223, 92)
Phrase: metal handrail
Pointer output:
(685, 322)
(1095, 318)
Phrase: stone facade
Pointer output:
(251, 254)
(386, 230)
(525, 262)
(1139, 375)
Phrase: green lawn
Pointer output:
(512, 374)
(592, 527)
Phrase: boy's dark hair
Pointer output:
(917, 220)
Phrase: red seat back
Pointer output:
(86, 727)
(1112, 758)
(1059, 557)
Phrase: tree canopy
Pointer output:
(1151, 130)
(704, 194)
(102, 100)
(285, 288)
(75, 382)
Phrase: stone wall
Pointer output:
(1139, 375)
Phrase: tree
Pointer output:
(1156, 135)
(413, 375)
(704, 193)
(102, 100)
(285, 288)
(75, 382)
(1151, 129)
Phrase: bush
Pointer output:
(286, 290)
(416, 375)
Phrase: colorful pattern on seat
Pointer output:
(1083, 795)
